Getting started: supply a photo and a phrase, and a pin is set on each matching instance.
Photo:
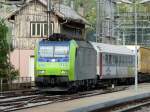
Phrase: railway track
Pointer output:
(28, 101)
(16, 93)
(135, 107)
(139, 105)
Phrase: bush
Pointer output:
(7, 70)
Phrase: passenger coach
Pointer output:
(114, 62)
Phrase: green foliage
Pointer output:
(6, 68)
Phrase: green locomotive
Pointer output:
(66, 63)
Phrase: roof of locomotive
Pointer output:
(114, 49)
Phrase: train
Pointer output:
(78, 64)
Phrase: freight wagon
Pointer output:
(143, 62)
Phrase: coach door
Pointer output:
(100, 65)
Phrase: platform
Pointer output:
(94, 102)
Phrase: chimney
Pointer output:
(72, 4)
(81, 10)
(57, 1)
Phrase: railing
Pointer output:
(17, 84)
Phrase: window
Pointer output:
(45, 29)
(110, 59)
(39, 29)
(46, 51)
(61, 51)
(106, 59)
(120, 61)
(53, 51)
(33, 29)
(116, 59)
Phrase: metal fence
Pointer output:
(16, 84)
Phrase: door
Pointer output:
(31, 67)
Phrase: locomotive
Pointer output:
(81, 64)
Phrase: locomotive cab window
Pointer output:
(45, 51)
(61, 51)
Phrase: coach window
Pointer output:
(132, 60)
(103, 57)
(122, 60)
(116, 60)
(128, 60)
(119, 60)
(113, 59)
(110, 59)
(106, 59)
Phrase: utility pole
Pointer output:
(49, 7)
(98, 20)
(135, 20)
(124, 40)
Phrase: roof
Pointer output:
(67, 12)
(62, 11)
(145, 1)
(132, 47)
(114, 49)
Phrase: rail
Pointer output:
(15, 84)
(29, 101)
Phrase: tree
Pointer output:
(6, 68)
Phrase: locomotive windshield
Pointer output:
(46, 51)
(61, 51)
(53, 51)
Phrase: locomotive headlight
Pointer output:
(63, 64)
(41, 71)
(65, 72)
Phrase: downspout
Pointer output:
(63, 23)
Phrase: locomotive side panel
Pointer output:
(85, 67)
